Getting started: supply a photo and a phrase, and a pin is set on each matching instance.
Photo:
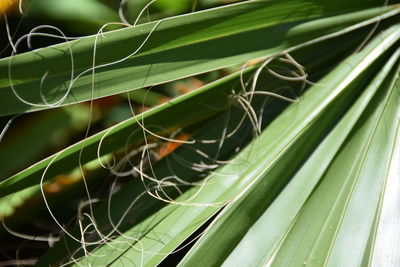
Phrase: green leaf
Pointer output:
(338, 222)
(317, 187)
(384, 246)
(164, 116)
(237, 218)
(172, 48)
(287, 140)
(270, 230)
(203, 103)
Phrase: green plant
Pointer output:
(281, 177)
